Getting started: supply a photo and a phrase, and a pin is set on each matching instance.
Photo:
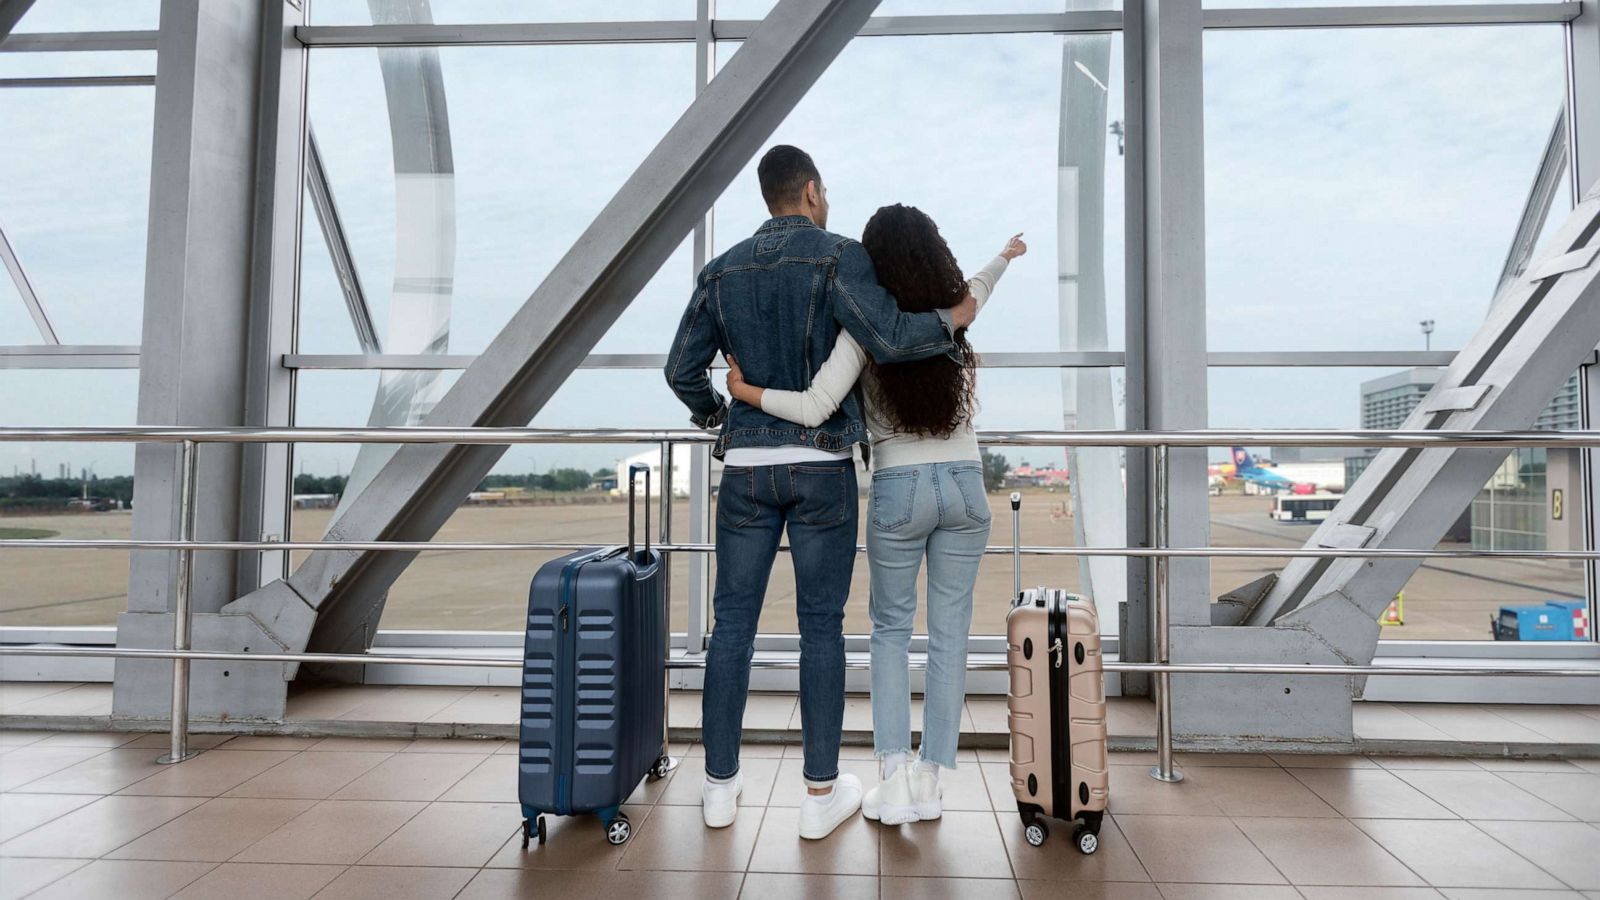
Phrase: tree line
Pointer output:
(34, 492)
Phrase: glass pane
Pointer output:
(39, 484)
(359, 12)
(973, 137)
(548, 492)
(92, 15)
(756, 9)
(1359, 181)
(527, 179)
(1532, 502)
(1269, 4)
(75, 178)
(64, 64)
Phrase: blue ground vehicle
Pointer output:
(1557, 620)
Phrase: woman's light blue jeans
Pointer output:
(940, 511)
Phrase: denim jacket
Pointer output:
(775, 302)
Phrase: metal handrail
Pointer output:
(697, 661)
(421, 434)
(992, 550)
(1158, 555)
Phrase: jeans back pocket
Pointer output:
(969, 481)
(823, 494)
(893, 496)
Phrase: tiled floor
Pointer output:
(1128, 716)
(87, 815)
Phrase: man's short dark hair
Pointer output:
(784, 172)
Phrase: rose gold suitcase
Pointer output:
(1056, 707)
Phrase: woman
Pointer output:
(928, 500)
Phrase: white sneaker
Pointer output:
(819, 816)
(895, 804)
(927, 793)
(719, 802)
(871, 802)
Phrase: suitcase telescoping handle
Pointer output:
(633, 474)
(1016, 544)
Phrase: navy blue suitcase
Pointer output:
(594, 683)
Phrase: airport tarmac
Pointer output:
(475, 591)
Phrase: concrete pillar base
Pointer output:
(218, 691)
(1277, 707)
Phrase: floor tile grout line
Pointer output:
(1524, 858)
(1512, 785)
(83, 863)
(1270, 861)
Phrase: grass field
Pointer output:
(26, 534)
(461, 590)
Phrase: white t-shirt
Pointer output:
(786, 455)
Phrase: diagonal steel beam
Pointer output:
(30, 297)
(333, 234)
(421, 486)
(11, 12)
(1547, 182)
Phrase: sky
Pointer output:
(1357, 181)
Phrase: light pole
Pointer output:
(1427, 334)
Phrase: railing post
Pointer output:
(189, 455)
(1163, 770)
(667, 763)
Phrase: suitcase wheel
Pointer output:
(619, 830)
(662, 767)
(530, 828)
(1036, 833)
(1088, 841)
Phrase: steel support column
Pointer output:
(1583, 128)
(1134, 641)
(1173, 349)
(421, 486)
(197, 320)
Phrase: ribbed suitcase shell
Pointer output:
(1081, 788)
(592, 693)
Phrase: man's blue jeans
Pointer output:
(818, 503)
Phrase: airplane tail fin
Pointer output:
(1242, 460)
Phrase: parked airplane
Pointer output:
(1245, 468)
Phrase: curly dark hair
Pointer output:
(932, 396)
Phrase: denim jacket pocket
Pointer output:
(969, 481)
(893, 497)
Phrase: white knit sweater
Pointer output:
(837, 376)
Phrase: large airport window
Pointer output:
(522, 159)
(65, 490)
(972, 134)
(91, 15)
(1275, 497)
(75, 186)
(1360, 181)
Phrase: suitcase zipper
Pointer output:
(1061, 725)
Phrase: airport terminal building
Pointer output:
(327, 326)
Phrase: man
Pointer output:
(775, 302)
